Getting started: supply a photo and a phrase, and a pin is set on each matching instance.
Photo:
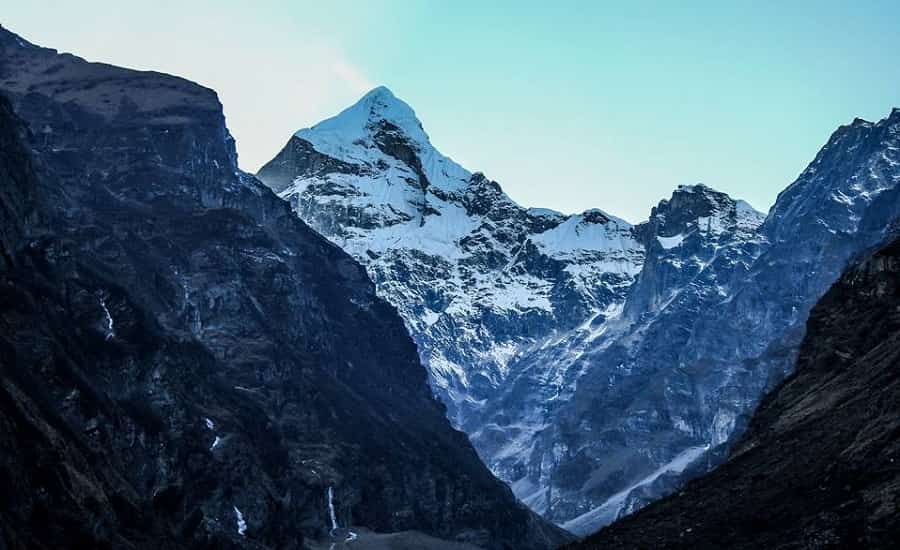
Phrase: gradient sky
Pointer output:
(568, 105)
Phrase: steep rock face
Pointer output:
(819, 465)
(721, 353)
(478, 279)
(629, 412)
(184, 362)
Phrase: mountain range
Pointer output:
(594, 364)
(366, 345)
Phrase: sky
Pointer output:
(568, 105)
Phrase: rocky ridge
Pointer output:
(183, 362)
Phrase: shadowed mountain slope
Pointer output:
(183, 362)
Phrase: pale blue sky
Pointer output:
(569, 105)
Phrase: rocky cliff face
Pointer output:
(629, 413)
(183, 362)
(595, 365)
(688, 371)
(819, 465)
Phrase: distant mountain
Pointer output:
(819, 465)
(713, 320)
(595, 365)
(183, 362)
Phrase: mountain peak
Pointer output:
(381, 104)
(377, 105)
(703, 205)
(382, 92)
(704, 192)
(339, 136)
(697, 197)
(380, 134)
(895, 114)
(695, 188)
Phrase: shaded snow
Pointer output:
(331, 514)
(610, 510)
(110, 331)
(241, 524)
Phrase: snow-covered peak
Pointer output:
(591, 232)
(465, 265)
(357, 121)
(381, 132)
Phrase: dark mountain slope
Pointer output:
(184, 363)
(819, 466)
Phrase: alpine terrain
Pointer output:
(184, 363)
(819, 465)
(594, 364)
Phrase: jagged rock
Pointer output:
(819, 465)
(631, 417)
(680, 382)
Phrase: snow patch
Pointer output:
(578, 234)
(545, 213)
(609, 511)
(241, 524)
(331, 514)
(110, 331)
(722, 426)
(670, 242)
